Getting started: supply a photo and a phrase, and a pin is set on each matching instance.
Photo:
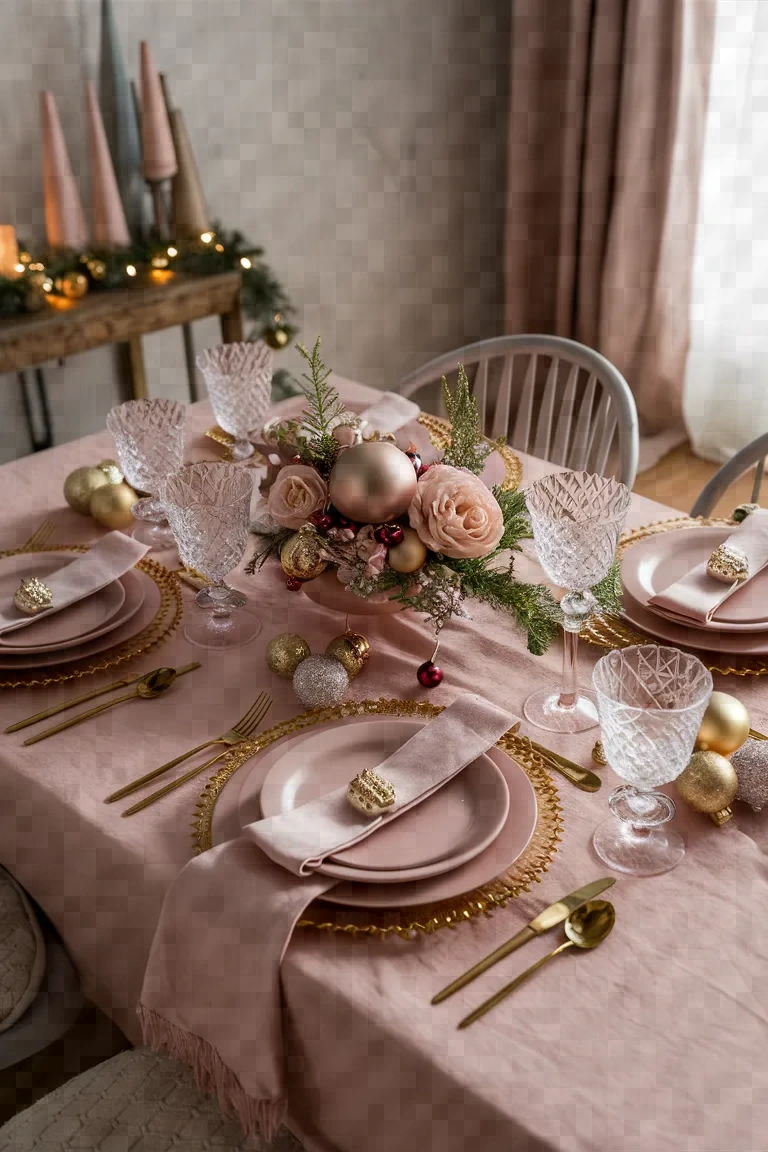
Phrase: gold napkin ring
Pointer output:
(729, 565)
(370, 794)
(33, 596)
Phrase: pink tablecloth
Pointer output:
(655, 1042)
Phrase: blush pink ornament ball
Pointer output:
(372, 483)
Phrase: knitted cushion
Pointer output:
(135, 1102)
(22, 952)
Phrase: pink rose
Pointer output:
(454, 513)
(297, 492)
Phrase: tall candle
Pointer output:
(9, 250)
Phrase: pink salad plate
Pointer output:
(141, 604)
(238, 805)
(88, 618)
(746, 643)
(445, 831)
(656, 562)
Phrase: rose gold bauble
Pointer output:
(371, 483)
(708, 784)
(409, 554)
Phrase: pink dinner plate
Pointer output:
(746, 643)
(68, 626)
(143, 589)
(445, 831)
(655, 563)
(229, 815)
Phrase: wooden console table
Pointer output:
(120, 316)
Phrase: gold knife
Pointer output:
(582, 777)
(83, 699)
(549, 918)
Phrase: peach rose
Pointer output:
(454, 513)
(297, 492)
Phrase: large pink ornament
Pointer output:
(372, 483)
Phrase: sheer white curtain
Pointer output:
(726, 389)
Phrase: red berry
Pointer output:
(381, 534)
(292, 583)
(345, 522)
(323, 523)
(395, 534)
(429, 675)
(424, 468)
(296, 459)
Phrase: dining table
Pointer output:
(656, 1041)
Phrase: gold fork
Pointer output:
(242, 730)
(39, 537)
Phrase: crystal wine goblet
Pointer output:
(577, 519)
(149, 440)
(651, 701)
(208, 508)
(239, 382)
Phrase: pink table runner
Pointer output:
(656, 1042)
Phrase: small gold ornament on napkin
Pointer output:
(33, 596)
(370, 794)
(728, 564)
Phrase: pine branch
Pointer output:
(324, 405)
(608, 591)
(266, 546)
(467, 449)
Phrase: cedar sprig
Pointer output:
(467, 449)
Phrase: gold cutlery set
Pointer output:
(587, 922)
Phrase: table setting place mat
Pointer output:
(668, 596)
(136, 610)
(253, 889)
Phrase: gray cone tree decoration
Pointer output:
(121, 125)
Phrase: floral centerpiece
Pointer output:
(429, 536)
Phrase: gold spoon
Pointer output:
(149, 686)
(587, 927)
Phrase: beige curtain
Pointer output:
(608, 104)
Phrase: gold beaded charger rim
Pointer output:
(164, 623)
(406, 922)
(610, 631)
(439, 433)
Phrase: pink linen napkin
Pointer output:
(696, 597)
(108, 560)
(211, 992)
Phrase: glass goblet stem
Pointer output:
(577, 607)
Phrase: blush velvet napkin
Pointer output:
(111, 558)
(696, 597)
(211, 992)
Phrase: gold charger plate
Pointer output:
(162, 625)
(609, 631)
(439, 433)
(407, 922)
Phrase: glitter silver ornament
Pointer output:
(320, 682)
(751, 764)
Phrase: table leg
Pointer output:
(232, 325)
(46, 440)
(189, 356)
(136, 372)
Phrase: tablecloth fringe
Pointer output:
(212, 1076)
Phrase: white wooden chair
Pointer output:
(573, 404)
(138, 1101)
(733, 469)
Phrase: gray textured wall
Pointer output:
(362, 142)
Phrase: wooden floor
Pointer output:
(679, 478)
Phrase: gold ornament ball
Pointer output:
(725, 725)
(350, 649)
(35, 299)
(73, 285)
(409, 555)
(80, 486)
(285, 653)
(300, 555)
(97, 269)
(111, 505)
(372, 483)
(111, 470)
(708, 784)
